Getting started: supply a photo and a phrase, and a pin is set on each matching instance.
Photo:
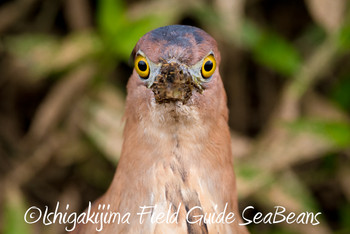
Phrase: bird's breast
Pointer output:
(178, 175)
(179, 185)
(176, 167)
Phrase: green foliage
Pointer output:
(35, 51)
(14, 210)
(344, 38)
(45, 54)
(211, 19)
(297, 191)
(247, 171)
(335, 132)
(119, 32)
(341, 92)
(280, 231)
(345, 217)
(111, 16)
(271, 50)
(329, 165)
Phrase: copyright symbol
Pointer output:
(34, 214)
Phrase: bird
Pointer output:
(175, 173)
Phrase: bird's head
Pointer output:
(176, 66)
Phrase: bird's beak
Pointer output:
(173, 83)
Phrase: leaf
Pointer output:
(110, 16)
(344, 38)
(251, 178)
(248, 172)
(251, 34)
(34, 51)
(120, 32)
(124, 43)
(345, 217)
(14, 210)
(340, 93)
(271, 50)
(336, 132)
(296, 192)
(43, 54)
(275, 52)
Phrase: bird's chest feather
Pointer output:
(180, 187)
(179, 184)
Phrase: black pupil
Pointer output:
(142, 65)
(208, 66)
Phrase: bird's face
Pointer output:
(174, 81)
(176, 66)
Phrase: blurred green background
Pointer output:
(286, 69)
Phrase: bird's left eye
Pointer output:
(142, 67)
(208, 67)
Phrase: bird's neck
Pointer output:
(176, 143)
(175, 158)
(172, 131)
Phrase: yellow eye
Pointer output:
(208, 67)
(142, 67)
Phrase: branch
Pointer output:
(13, 11)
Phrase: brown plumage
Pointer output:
(176, 153)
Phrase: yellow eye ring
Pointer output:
(208, 67)
(142, 66)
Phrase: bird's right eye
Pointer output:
(142, 67)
